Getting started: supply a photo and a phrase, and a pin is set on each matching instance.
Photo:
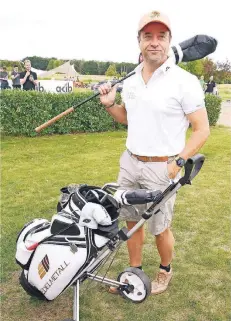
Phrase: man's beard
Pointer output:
(155, 59)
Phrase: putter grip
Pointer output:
(51, 121)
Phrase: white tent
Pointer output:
(38, 72)
(67, 69)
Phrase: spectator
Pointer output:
(4, 78)
(202, 82)
(28, 78)
(15, 76)
(211, 86)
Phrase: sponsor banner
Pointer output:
(55, 86)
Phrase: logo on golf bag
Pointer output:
(43, 267)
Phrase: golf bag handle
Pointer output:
(70, 110)
(192, 168)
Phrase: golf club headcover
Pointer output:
(194, 48)
(135, 197)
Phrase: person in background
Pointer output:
(15, 76)
(211, 86)
(4, 78)
(202, 82)
(28, 78)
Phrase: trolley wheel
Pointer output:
(139, 284)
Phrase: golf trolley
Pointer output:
(133, 284)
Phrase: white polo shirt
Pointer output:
(156, 111)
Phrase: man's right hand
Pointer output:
(27, 74)
(107, 94)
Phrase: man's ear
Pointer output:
(139, 37)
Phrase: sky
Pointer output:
(104, 30)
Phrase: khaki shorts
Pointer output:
(135, 174)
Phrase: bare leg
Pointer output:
(135, 245)
(165, 244)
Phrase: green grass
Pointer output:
(225, 91)
(33, 171)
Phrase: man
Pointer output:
(15, 76)
(211, 86)
(159, 101)
(4, 78)
(202, 82)
(28, 78)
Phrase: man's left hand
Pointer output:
(173, 169)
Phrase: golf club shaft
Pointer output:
(70, 110)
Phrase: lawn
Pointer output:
(33, 171)
(225, 91)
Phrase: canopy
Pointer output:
(67, 69)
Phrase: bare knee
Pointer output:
(164, 235)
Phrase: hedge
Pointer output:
(213, 106)
(23, 111)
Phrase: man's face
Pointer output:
(154, 42)
(211, 78)
(16, 69)
(27, 66)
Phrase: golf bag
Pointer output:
(53, 254)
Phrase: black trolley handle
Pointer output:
(192, 168)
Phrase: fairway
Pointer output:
(34, 170)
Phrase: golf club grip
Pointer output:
(53, 120)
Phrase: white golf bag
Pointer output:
(53, 254)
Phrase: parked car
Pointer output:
(94, 87)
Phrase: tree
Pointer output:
(195, 67)
(111, 71)
(39, 62)
(223, 73)
(209, 68)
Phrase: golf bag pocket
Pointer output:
(55, 266)
(33, 232)
(64, 224)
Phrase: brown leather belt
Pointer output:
(151, 158)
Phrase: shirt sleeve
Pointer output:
(22, 75)
(35, 76)
(192, 96)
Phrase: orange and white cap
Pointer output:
(154, 16)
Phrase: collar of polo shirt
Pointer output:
(162, 69)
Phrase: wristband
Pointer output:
(110, 105)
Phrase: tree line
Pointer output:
(206, 67)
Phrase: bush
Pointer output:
(23, 111)
(213, 106)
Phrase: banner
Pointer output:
(55, 86)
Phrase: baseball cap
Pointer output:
(154, 16)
